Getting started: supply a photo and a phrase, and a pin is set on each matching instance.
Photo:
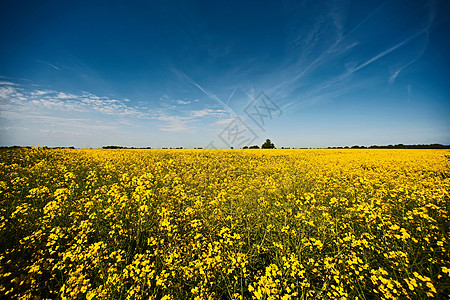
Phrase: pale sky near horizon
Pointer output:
(224, 73)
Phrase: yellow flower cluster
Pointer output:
(224, 224)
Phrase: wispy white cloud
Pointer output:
(174, 124)
(6, 91)
(42, 92)
(182, 102)
(294, 79)
(224, 122)
(320, 45)
(7, 83)
(62, 95)
(187, 122)
(208, 93)
(338, 15)
(48, 64)
(408, 88)
(49, 108)
(227, 103)
(207, 112)
(394, 75)
(168, 101)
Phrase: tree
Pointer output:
(268, 145)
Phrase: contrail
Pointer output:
(208, 93)
(49, 64)
(384, 53)
(228, 100)
(327, 52)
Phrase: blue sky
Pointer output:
(224, 73)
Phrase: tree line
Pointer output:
(269, 145)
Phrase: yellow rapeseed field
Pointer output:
(224, 224)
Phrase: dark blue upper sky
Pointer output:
(191, 73)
